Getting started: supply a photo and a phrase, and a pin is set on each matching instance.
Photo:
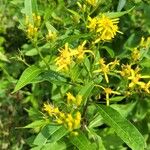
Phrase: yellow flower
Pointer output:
(78, 100)
(31, 31)
(32, 26)
(73, 122)
(80, 51)
(135, 54)
(50, 109)
(70, 121)
(92, 2)
(106, 68)
(36, 19)
(74, 100)
(145, 43)
(146, 87)
(135, 79)
(64, 60)
(77, 120)
(51, 36)
(126, 70)
(70, 98)
(108, 91)
(107, 28)
(92, 23)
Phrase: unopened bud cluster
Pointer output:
(32, 25)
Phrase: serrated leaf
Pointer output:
(27, 76)
(124, 129)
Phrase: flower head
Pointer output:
(135, 79)
(106, 68)
(107, 28)
(51, 36)
(92, 23)
(80, 51)
(92, 2)
(50, 109)
(74, 100)
(64, 60)
(108, 91)
(135, 54)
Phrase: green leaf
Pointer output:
(75, 14)
(3, 57)
(109, 50)
(97, 121)
(61, 132)
(121, 4)
(45, 134)
(50, 27)
(123, 109)
(81, 142)
(34, 6)
(117, 98)
(97, 139)
(33, 51)
(86, 90)
(27, 76)
(52, 77)
(117, 14)
(28, 10)
(124, 129)
(37, 123)
(55, 146)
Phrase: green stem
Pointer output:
(41, 56)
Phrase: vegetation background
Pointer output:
(17, 53)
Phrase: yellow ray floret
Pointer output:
(107, 28)
(63, 61)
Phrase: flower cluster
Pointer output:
(135, 81)
(51, 36)
(68, 55)
(134, 76)
(32, 26)
(70, 121)
(105, 27)
(92, 2)
(105, 69)
(64, 60)
(75, 101)
(108, 91)
(145, 43)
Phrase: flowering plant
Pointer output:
(91, 85)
